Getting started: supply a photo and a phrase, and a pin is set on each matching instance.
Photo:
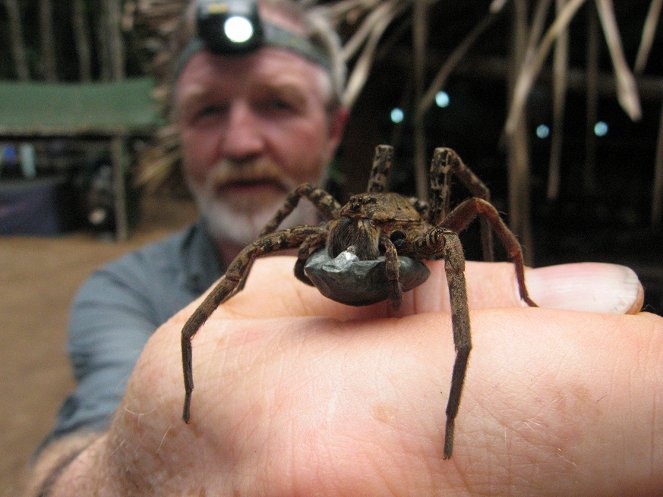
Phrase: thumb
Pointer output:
(589, 286)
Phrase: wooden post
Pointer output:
(118, 158)
(657, 198)
(16, 37)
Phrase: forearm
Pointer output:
(56, 470)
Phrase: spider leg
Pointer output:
(446, 162)
(326, 204)
(377, 181)
(446, 242)
(454, 266)
(391, 267)
(466, 211)
(310, 245)
(229, 285)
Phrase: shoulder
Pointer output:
(166, 257)
(153, 278)
(157, 279)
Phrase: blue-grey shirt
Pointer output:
(115, 312)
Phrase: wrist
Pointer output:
(84, 475)
(51, 475)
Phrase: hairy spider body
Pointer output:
(384, 235)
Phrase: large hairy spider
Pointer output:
(380, 239)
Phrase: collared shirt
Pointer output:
(116, 311)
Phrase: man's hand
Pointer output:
(298, 395)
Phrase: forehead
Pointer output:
(268, 68)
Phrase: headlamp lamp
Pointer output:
(234, 27)
(229, 26)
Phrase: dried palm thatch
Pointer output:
(535, 33)
(644, 51)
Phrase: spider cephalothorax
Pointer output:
(371, 248)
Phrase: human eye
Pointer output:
(280, 103)
(210, 110)
(277, 106)
(203, 112)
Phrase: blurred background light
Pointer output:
(442, 99)
(601, 128)
(397, 115)
(542, 131)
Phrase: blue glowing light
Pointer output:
(601, 128)
(442, 99)
(543, 131)
(397, 115)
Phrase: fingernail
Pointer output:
(588, 286)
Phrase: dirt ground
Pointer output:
(38, 278)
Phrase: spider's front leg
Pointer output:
(229, 285)
(323, 201)
(441, 241)
(394, 290)
(382, 162)
(310, 245)
(466, 211)
(445, 164)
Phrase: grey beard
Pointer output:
(229, 224)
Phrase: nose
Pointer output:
(242, 137)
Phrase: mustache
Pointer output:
(228, 172)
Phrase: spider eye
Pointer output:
(354, 205)
(397, 238)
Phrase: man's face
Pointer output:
(252, 128)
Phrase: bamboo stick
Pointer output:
(531, 68)
(627, 90)
(560, 87)
(657, 194)
(648, 34)
(419, 40)
(592, 101)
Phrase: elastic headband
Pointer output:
(235, 28)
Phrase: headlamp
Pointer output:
(229, 26)
(234, 27)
